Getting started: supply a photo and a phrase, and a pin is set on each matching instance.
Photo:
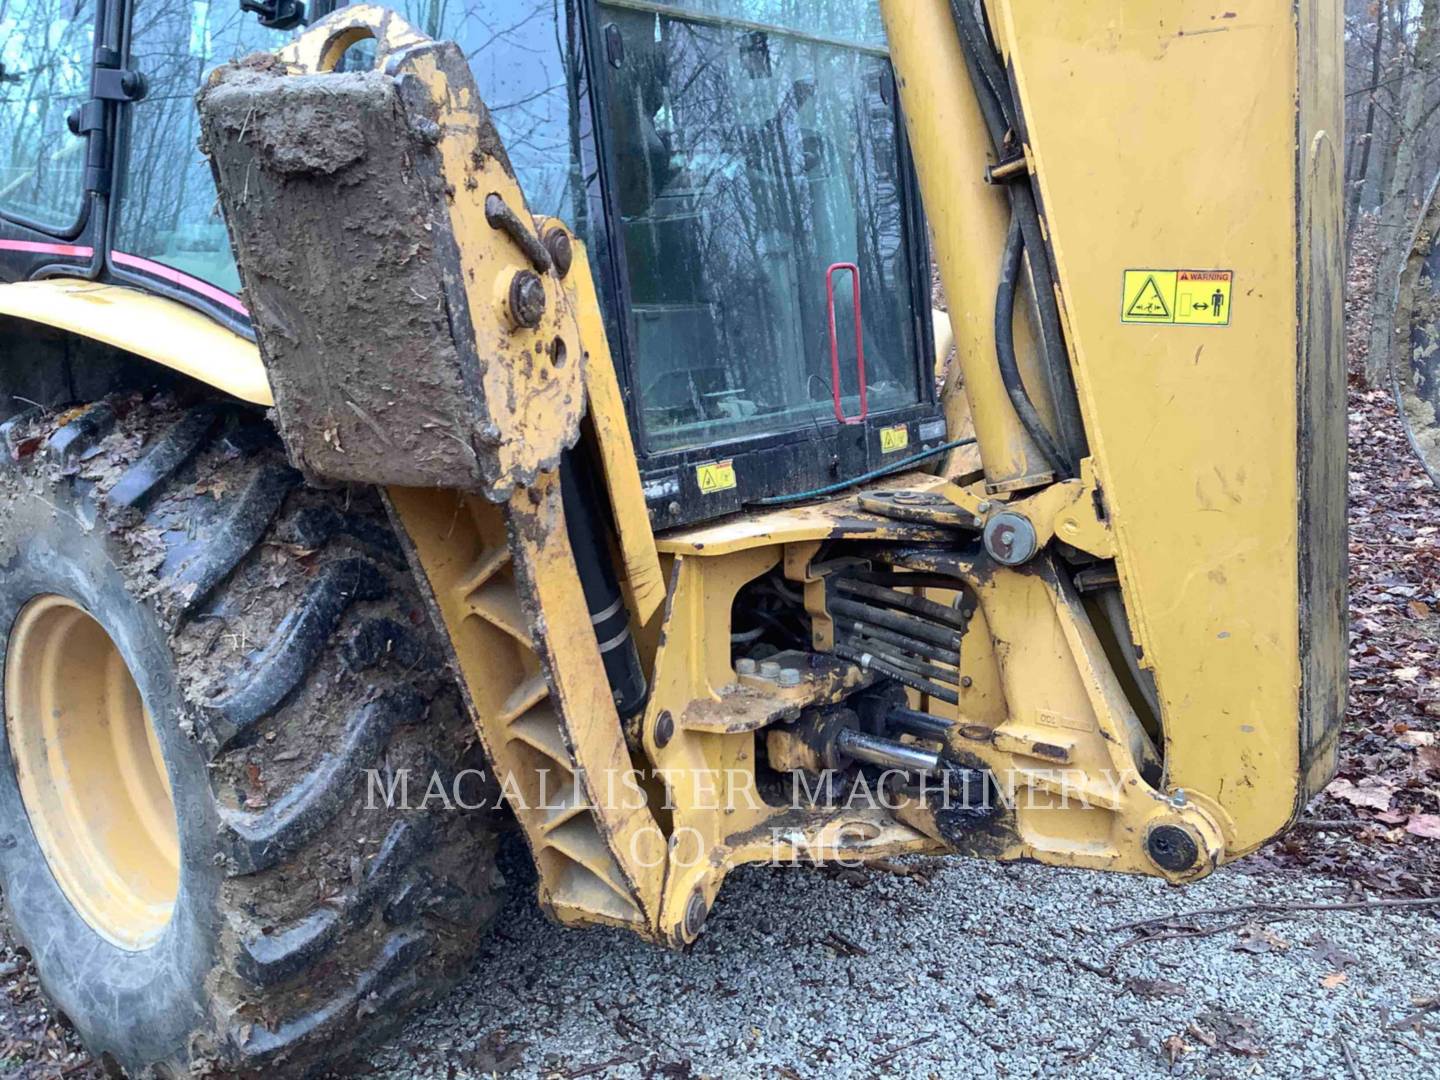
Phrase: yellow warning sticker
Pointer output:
(715, 476)
(894, 438)
(1177, 297)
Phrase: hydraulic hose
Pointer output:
(992, 92)
(1005, 353)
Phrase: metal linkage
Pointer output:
(929, 671)
(859, 630)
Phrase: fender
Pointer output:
(165, 331)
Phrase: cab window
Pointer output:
(45, 51)
(167, 209)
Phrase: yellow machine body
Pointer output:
(1213, 484)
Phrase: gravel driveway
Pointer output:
(968, 969)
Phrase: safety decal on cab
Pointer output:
(715, 476)
(1177, 297)
(894, 438)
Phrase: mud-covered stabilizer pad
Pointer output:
(355, 204)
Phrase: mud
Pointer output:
(336, 208)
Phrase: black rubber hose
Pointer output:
(989, 96)
(609, 616)
(992, 91)
(1005, 354)
(1052, 337)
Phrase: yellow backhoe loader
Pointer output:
(419, 423)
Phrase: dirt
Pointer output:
(335, 208)
(380, 289)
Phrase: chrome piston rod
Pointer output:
(887, 753)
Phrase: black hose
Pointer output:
(1005, 354)
(906, 678)
(904, 641)
(992, 98)
(1052, 337)
(997, 107)
(984, 67)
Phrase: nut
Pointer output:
(527, 299)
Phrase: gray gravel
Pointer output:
(985, 970)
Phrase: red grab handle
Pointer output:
(835, 344)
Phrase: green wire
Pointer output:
(874, 474)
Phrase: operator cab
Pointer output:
(737, 168)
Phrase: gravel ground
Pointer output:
(968, 969)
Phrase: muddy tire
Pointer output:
(274, 636)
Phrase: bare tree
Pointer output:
(1362, 142)
(1395, 219)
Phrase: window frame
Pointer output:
(171, 286)
(85, 212)
(773, 462)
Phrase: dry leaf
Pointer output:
(1174, 1046)
(1419, 609)
(1154, 987)
(1334, 979)
(1371, 792)
(1406, 674)
(1415, 739)
(1426, 825)
(1256, 938)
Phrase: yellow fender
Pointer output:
(158, 329)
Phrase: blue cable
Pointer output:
(874, 474)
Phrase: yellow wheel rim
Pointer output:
(91, 773)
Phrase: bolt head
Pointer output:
(695, 913)
(1172, 848)
(789, 676)
(745, 666)
(1010, 538)
(557, 243)
(769, 669)
(527, 299)
(664, 728)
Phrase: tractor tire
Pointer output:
(215, 681)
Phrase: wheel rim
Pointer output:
(90, 772)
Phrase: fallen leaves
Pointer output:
(1334, 980)
(1258, 938)
(1226, 1031)
(1424, 825)
(1174, 1047)
(1152, 988)
(1372, 792)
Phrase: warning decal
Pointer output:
(1177, 297)
(894, 438)
(715, 476)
